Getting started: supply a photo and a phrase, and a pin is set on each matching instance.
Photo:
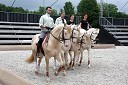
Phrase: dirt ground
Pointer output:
(108, 67)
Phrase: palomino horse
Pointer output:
(52, 48)
(65, 49)
(89, 36)
(84, 42)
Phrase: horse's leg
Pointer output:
(39, 61)
(70, 63)
(47, 68)
(66, 59)
(62, 66)
(74, 59)
(54, 67)
(88, 57)
(35, 61)
(81, 52)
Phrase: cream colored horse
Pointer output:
(52, 48)
(65, 48)
(89, 36)
(84, 42)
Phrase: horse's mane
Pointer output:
(59, 27)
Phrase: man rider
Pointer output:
(46, 23)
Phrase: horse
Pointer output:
(65, 49)
(51, 49)
(84, 42)
(74, 45)
(89, 37)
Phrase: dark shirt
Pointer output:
(84, 24)
(63, 21)
(70, 23)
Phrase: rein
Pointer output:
(60, 39)
(72, 35)
(81, 41)
(91, 36)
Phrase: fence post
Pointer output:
(27, 17)
(7, 17)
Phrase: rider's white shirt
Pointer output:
(59, 21)
(47, 21)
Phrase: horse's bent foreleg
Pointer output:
(61, 65)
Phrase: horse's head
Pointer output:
(75, 33)
(93, 32)
(65, 35)
(83, 38)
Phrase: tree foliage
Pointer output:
(91, 8)
(111, 10)
(68, 8)
(41, 10)
(12, 9)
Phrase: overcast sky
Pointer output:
(34, 4)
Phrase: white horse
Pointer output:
(74, 46)
(65, 49)
(89, 36)
(52, 48)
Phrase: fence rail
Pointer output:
(114, 21)
(27, 17)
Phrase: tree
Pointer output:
(12, 9)
(54, 12)
(68, 8)
(121, 15)
(41, 10)
(91, 8)
(109, 10)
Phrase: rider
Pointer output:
(46, 23)
(61, 20)
(84, 23)
(71, 21)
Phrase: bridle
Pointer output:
(72, 36)
(63, 39)
(91, 36)
(81, 41)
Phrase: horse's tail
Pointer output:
(30, 59)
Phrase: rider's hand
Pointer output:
(47, 27)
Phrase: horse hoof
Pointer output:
(56, 73)
(72, 68)
(89, 66)
(68, 68)
(79, 64)
(36, 73)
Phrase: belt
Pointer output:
(49, 28)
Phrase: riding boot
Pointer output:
(38, 48)
(39, 44)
